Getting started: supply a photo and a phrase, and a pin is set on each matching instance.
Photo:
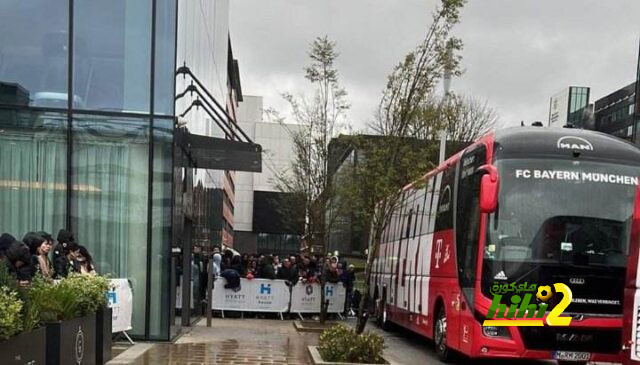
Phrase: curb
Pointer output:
(316, 359)
(130, 355)
(300, 327)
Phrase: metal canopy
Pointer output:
(219, 153)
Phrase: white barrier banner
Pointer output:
(337, 295)
(305, 298)
(256, 295)
(120, 298)
(179, 296)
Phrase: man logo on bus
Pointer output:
(574, 143)
(522, 306)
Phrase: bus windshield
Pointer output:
(553, 211)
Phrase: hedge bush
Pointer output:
(10, 313)
(72, 297)
(341, 344)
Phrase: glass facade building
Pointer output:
(570, 107)
(86, 136)
(615, 113)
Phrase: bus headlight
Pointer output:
(495, 331)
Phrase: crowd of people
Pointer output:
(38, 254)
(292, 269)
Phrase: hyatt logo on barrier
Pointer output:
(328, 291)
(265, 297)
(265, 289)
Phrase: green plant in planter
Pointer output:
(10, 313)
(29, 314)
(342, 344)
(72, 297)
(91, 290)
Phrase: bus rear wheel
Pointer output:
(440, 337)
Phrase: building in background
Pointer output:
(90, 141)
(348, 231)
(618, 113)
(266, 220)
(570, 107)
(615, 113)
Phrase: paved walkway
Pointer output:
(271, 341)
(234, 341)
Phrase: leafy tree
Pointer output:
(406, 112)
(318, 119)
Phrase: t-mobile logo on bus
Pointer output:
(438, 256)
(521, 307)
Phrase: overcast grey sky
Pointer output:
(516, 55)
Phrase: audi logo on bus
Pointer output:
(574, 143)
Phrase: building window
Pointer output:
(34, 52)
(112, 55)
(165, 56)
(161, 227)
(109, 204)
(33, 172)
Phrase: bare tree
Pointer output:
(465, 118)
(469, 118)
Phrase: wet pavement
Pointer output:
(271, 341)
(235, 341)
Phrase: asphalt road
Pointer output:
(407, 348)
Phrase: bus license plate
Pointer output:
(571, 356)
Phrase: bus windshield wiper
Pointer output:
(536, 267)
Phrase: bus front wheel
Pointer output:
(440, 337)
(382, 317)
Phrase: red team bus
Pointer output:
(523, 205)
(631, 325)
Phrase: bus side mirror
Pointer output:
(489, 184)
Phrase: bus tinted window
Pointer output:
(444, 213)
(468, 215)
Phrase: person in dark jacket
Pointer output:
(5, 242)
(265, 268)
(236, 264)
(288, 273)
(70, 263)
(18, 261)
(231, 271)
(39, 247)
(348, 278)
(60, 254)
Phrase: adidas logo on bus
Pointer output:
(500, 276)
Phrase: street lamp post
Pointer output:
(445, 102)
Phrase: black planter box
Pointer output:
(72, 342)
(103, 335)
(25, 348)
